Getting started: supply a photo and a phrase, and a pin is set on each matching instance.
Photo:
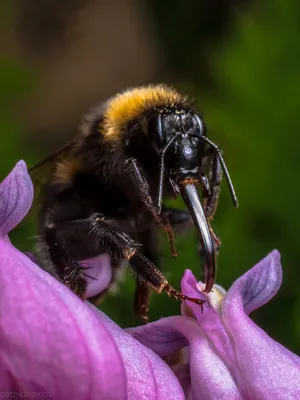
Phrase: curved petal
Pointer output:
(209, 321)
(270, 371)
(16, 196)
(49, 338)
(162, 337)
(258, 285)
(99, 274)
(148, 376)
(210, 377)
(182, 371)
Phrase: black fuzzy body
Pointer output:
(105, 201)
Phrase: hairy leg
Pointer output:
(117, 244)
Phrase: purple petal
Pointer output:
(210, 376)
(257, 286)
(209, 321)
(16, 196)
(148, 376)
(50, 338)
(99, 273)
(53, 342)
(270, 371)
(162, 337)
(184, 376)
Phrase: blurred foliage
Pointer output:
(251, 105)
(15, 81)
(254, 112)
(187, 31)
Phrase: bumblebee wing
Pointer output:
(42, 172)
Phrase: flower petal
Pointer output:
(270, 371)
(161, 336)
(258, 285)
(210, 376)
(182, 371)
(16, 196)
(99, 274)
(209, 321)
(50, 338)
(148, 376)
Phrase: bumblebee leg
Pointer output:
(205, 186)
(141, 301)
(215, 187)
(69, 271)
(142, 292)
(212, 200)
(151, 276)
(216, 239)
(143, 189)
(119, 245)
(179, 219)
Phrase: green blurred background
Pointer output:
(239, 60)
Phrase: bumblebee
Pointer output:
(103, 191)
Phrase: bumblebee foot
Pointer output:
(217, 241)
(77, 284)
(141, 301)
(180, 296)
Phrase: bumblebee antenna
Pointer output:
(162, 165)
(225, 170)
(223, 165)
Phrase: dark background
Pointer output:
(239, 60)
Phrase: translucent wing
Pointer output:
(41, 172)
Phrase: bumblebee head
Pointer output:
(176, 135)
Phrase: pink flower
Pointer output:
(229, 357)
(53, 343)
